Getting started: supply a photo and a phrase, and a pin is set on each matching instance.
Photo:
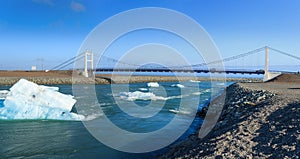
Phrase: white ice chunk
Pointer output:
(177, 85)
(152, 84)
(195, 81)
(29, 93)
(180, 111)
(27, 100)
(143, 89)
(50, 87)
(137, 95)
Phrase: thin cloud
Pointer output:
(47, 2)
(77, 7)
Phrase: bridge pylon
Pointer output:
(88, 59)
(268, 75)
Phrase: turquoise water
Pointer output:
(70, 139)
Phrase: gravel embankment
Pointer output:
(10, 78)
(260, 120)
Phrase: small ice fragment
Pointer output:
(178, 85)
(152, 84)
(137, 95)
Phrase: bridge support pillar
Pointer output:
(266, 75)
(269, 75)
(88, 59)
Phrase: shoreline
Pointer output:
(249, 127)
(65, 77)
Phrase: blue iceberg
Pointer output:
(27, 100)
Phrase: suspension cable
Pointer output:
(284, 53)
(69, 61)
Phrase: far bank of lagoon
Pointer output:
(119, 79)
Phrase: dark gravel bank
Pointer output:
(259, 120)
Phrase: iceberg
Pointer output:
(180, 111)
(152, 84)
(195, 81)
(27, 100)
(137, 95)
(143, 89)
(177, 85)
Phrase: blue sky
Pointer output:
(53, 30)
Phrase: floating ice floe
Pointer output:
(27, 100)
(195, 81)
(137, 95)
(179, 111)
(143, 89)
(152, 84)
(197, 93)
(177, 85)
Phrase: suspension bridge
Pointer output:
(88, 65)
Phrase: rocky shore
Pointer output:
(258, 120)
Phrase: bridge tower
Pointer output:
(268, 75)
(88, 59)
